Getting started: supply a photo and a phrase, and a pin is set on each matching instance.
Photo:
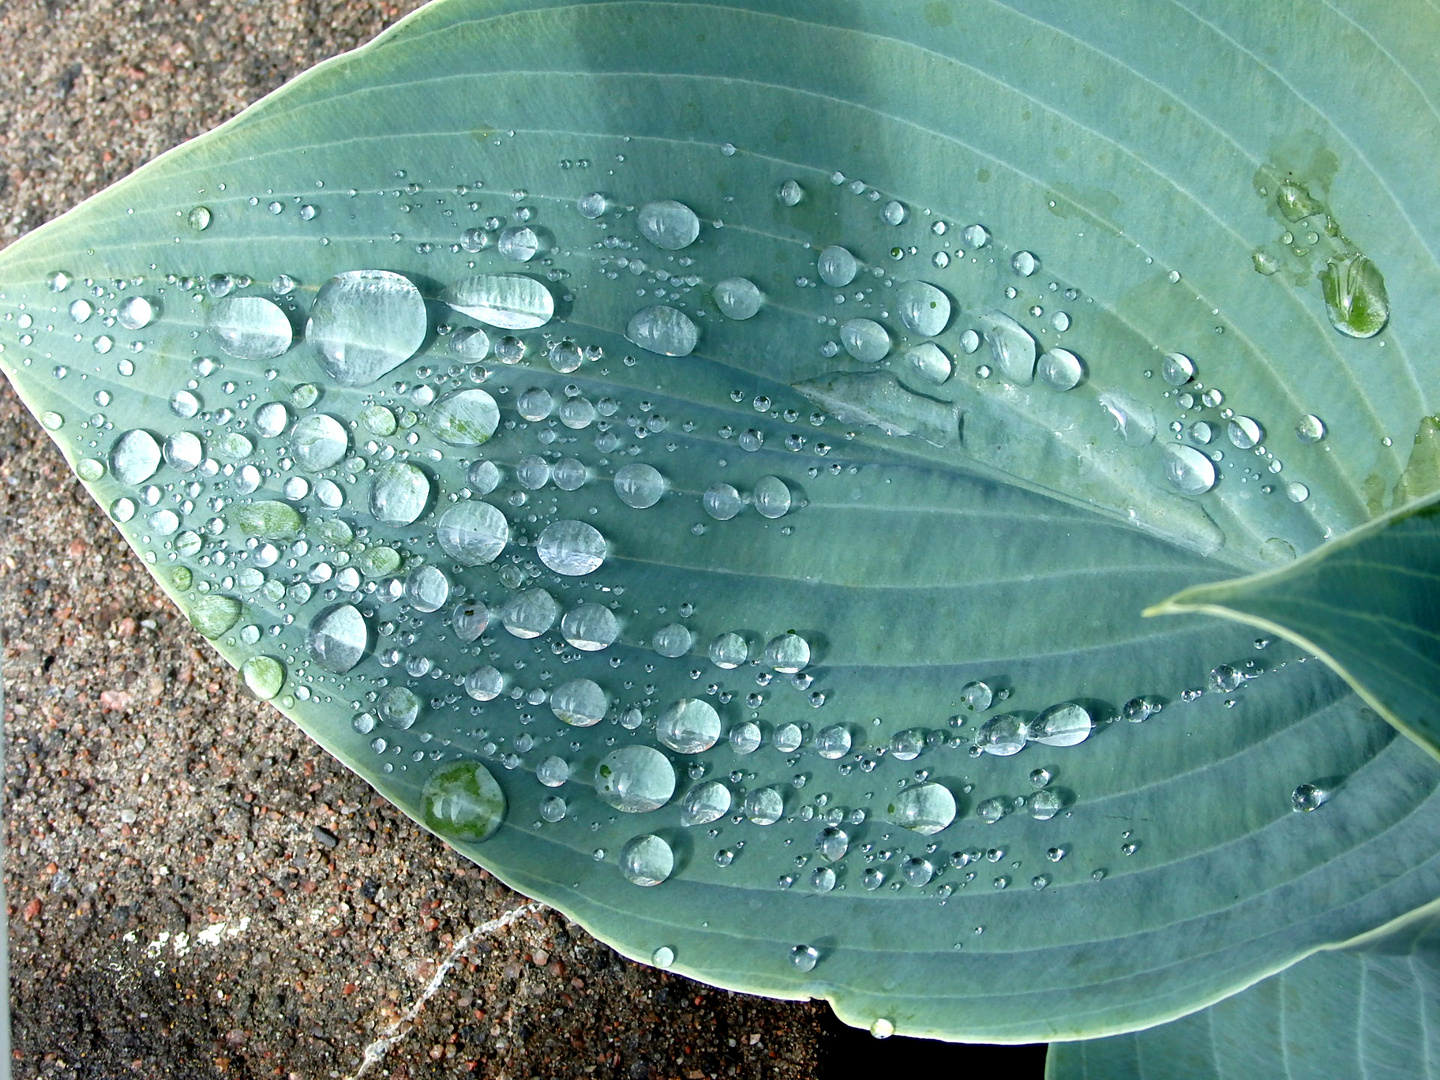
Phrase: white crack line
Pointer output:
(376, 1051)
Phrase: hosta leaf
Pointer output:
(541, 395)
(1368, 1010)
(1368, 604)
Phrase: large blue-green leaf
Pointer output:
(1366, 1011)
(922, 521)
(1368, 604)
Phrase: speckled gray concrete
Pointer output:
(195, 888)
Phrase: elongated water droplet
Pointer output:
(924, 808)
(668, 224)
(464, 418)
(738, 298)
(1188, 470)
(1066, 724)
(461, 801)
(923, 308)
(509, 301)
(640, 486)
(1355, 297)
(572, 548)
(365, 323)
(1011, 346)
(473, 533)
(1061, 369)
(635, 779)
(865, 339)
(664, 330)
(929, 361)
(646, 860)
(249, 327)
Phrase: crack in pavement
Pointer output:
(376, 1051)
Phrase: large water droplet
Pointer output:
(461, 801)
(664, 330)
(668, 224)
(212, 613)
(1355, 296)
(579, 702)
(136, 312)
(338, 638)
(1061, 369)
(689, 726)
(837, 267)
(263, 675)
(1001, 735)
(923, 308)
(249, 327)
(399, 493)
(764, 806)
(722, 502)
(640, 486)
(464, 418)
(1011, 346)
(1188, 470)
(833, 742)
(865, 339)
(1245, 433)
(635, 779)
(924, 808)
(704, 803)
(366, 323)
(509, 301)
(1066, 724)
(929, 361)
(319, 442)
(787, 653)
(738, 298)
(572, 548)
(473, 532)
(268, 519)
(646, 860)
(134, 457)
(771, 497)
(529, 613)
(590, 627)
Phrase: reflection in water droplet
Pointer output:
(635, 779)
(865, 339)
(461, 801)
(136, 313)
(929, 361)
(365, 323)
(134, 457)
(668, 224)
(464, 418)
(689, 726)
(1002, 735)
(722, 502)
(1355, 297)
(924, 808)
(836, 267)
(249, 327)
(646, 860)
(399, 493)
(923, 308)
(1188, 470)
(509, 301)
(473, 532)
(704, 803)
(640, 486)
(319, 442)
(572, 548)
(1061, 369)
(664, 330)
(338, 638)
(771, 497)
(787, 653)
(1244, 433)
(590, 627)
(1177, 369)
(1011, 346)
(1066, 724)
(579, 703)
(764, 806)
(738, 298)
(1310, 428)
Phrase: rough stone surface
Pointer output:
(195, 888)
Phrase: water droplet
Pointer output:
(664, 330)
(319, 442)
(509, 301)
(464, 418)
(1134, 420)
(804, 957)
(704, 803)
(1295, 202)
(771, 497)
(212, 614)
(722, 502)
(461, 801)
(1296, 492)
(1188, 470)
(398, 706)
(338, 638)
(1355, 296)
(728, 650)
(992, 810)
(865, 340)
(399, 493)
(836, 267)
(1310, 428)
(134, 457)
(249, 327)
(738, 298)
(592, 205)
(764, 806)
(572, 548)
(1245, 433)
(929, 361)
(263, 675)
(976, 696)
(136, 313)
(1024, 263)
(923, 808)
(787, 653)
(1061, 369)
(668, 224)
(469, 620)
(590, 627)
(892, 213)
(1138, 709)
(689, 726)
(1066, 724)
(427, 588)
(1011, 346)
(579, 703)
(529, 613)
(640, 486)
(1002, 736)
(268, 519)
(1177, 369)
(833, 742)
(484, 684)
(663, 957)
(473, 533)
(635, 779)
(1308, 797)
(520, 243)
(923, 308)
(553, 771)
(1044, 805)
